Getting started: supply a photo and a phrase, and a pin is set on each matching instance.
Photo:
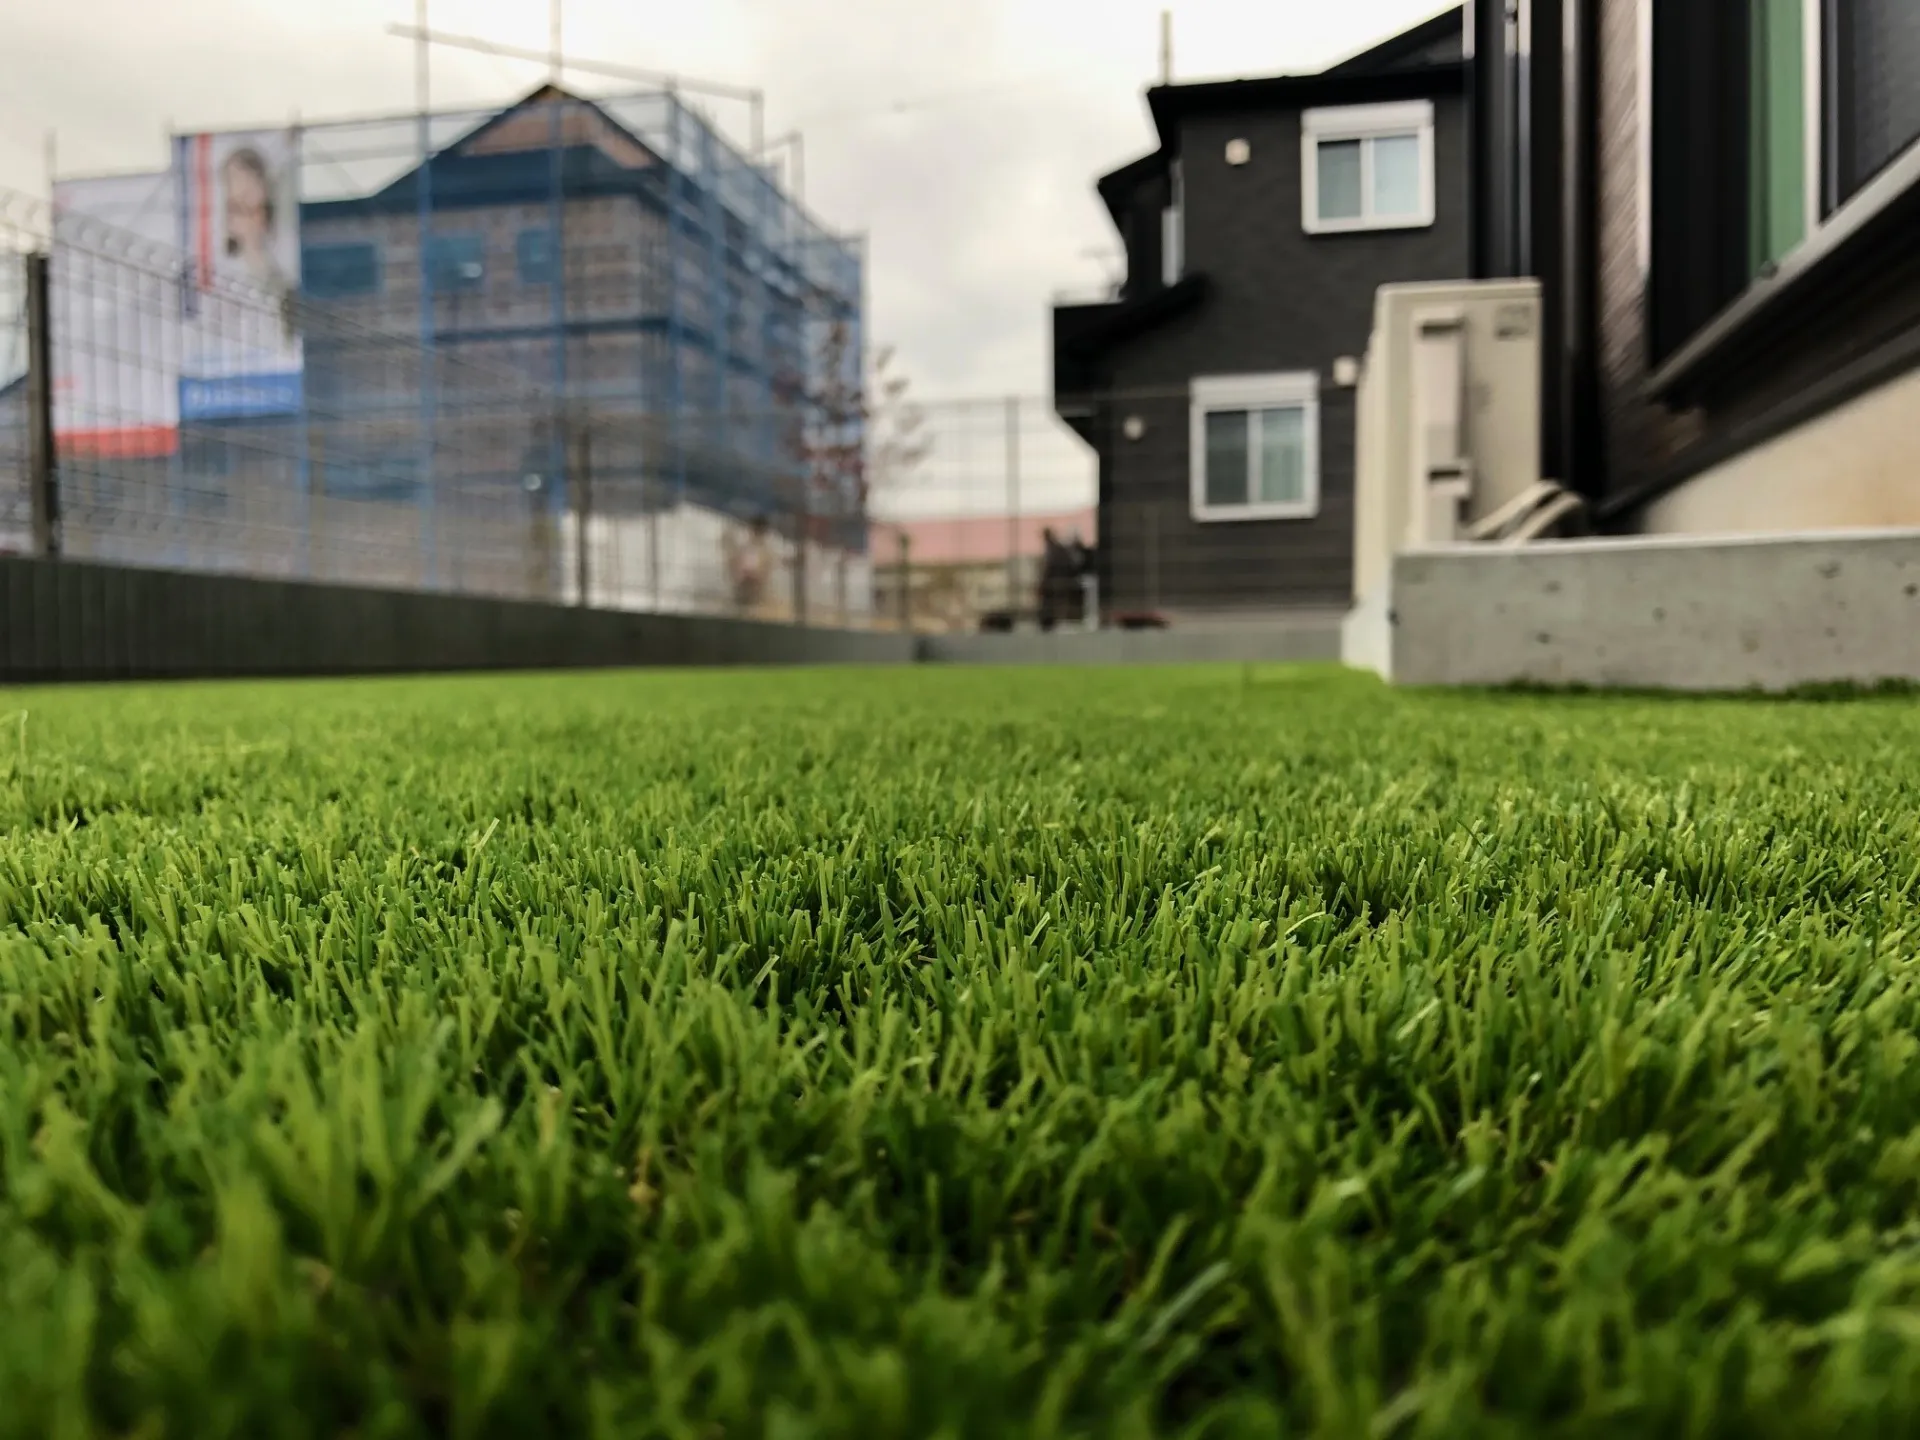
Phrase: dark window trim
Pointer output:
(1818, 269)
(1699, 181)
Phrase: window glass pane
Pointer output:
(533, 256)
(1396, 175)
(1878, 104)
(455, 262)
(1339, 179)
(1778, 193)
(1226, 457)
(330, 272)
(392, 478)
(1282, 477)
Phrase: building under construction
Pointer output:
(574, 346)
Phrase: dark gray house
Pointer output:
(1721, 203)
(1216, 387)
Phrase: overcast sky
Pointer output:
(978, 207)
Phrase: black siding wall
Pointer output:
(1280, 299)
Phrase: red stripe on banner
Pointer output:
(203, 146)
(119, 442)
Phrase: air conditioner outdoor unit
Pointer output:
(1448, 442)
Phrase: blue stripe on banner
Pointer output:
(235, 396)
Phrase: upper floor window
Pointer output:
(1367, 167)
(334, 272)
(456, 262)
(533, 256)
(1256, 447)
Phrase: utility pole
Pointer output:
(554, 52)
(1166, 47)
(423, 232)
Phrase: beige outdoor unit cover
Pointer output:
(1448, 428)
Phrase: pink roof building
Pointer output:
(974, 539)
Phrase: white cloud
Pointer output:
(977, 208)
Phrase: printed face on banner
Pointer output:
(240, 231)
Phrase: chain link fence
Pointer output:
(397, 464)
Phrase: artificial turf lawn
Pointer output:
(1185, 1052)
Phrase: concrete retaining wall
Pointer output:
(1764, 613)
(1279, 640)
(72, 620)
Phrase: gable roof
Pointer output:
(520, 126)
(1439, 41)
(1430, 59)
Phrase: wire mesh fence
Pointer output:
(483, 465)
(212, 423)
(1120, 507)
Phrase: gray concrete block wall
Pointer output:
(1766, 613)
(78, 621)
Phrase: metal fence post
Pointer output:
(906, 582)
(43, 471)
(1153, 557)
(800, 528)
(1013, 502)
(582, 492)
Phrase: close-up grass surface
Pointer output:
(1189, 1052)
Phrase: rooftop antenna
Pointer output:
(1166, 47)
(421, 59)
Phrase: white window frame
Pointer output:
(1294, 389)
(1173, 228)
(1364, 123)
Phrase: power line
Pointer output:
(556, 63)
(928, 102)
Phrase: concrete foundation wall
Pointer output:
(1683, 614)
(76, 621)
(1857, 465)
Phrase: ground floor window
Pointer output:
(1256, 447)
